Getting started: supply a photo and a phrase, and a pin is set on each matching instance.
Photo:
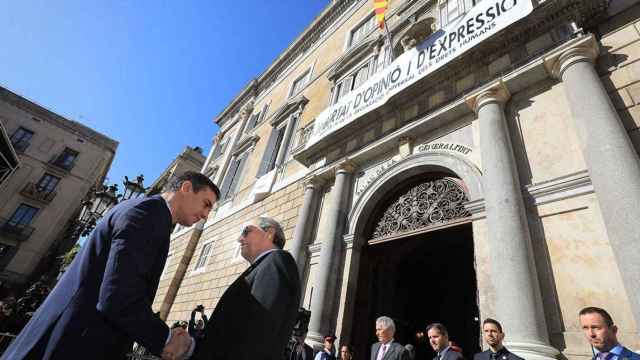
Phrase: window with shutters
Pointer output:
(352, 81)
(273, 148)
(450, 10)
(219, 149)
(362, 30)
(233, 177)
(205, 254)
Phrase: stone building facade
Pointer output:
(60, 161)
(502, 182)
(190, 159)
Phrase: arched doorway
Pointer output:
(417, 265)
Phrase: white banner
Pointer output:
(481, 22)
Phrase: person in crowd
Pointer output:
(439, 340)
(255, 316)
(387, 347)
(300, 350)
(102, 303)
(601, 333)
(346, 352)
(327, 352)
(493, 335)
(196, 329)
(411, 350)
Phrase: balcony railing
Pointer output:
(19, 232)
(58, 163)
(21, 146)
(37, 193)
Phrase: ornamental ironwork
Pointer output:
(429, 203)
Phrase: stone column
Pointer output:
(330, 238)
(612, 162)
(306, 219)
(512, 268)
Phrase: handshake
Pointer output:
(179, 347)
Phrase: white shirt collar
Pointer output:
(263, 255)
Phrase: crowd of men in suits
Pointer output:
(597, 325)
(102, 304)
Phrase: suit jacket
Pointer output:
(254, 318)
(626, 354)
(305, 354)
(103, 301)
(394, 352)
(503, 354)
(451, 355)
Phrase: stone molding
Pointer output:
(346, 166)
(476, 208)
(314, 248)
(561, 188)
(312, 182)
(496, 92)
(413, 165)
(585, 49)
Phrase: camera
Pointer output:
(199, 308)
(302, 322)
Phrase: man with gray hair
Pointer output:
(386, 348)
(255, 317)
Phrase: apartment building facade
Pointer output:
(60, 162)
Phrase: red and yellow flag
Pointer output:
(380, 7)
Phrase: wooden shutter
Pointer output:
(266, 157)
(252, 121)
(226, 182)
(238, 175)
(263, 113)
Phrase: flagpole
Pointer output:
(386, 28)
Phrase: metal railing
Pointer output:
(16, 231)
(34, 192)
(5, 341)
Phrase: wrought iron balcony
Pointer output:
(33, 191)
(15, 231)
(21, 146)
(59, 163)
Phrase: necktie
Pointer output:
(439, 357)
(494, 356)
(603, 356)
(383, 350)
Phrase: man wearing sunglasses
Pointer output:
(254, 318)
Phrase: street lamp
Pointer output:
(133, 189)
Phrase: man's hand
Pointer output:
(178, 345)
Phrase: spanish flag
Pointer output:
(380, 6)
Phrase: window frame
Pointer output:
(18, 223)
(17, 142)
(298, 84)
(361, 29)
(201, 263)
(45, 189)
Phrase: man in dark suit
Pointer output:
(255, 316)
(102, 304)
(439, 340)
(387, 348)
(601, 333)
(493, 336)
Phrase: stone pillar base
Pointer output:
(532, 351)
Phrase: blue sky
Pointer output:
(149, 74)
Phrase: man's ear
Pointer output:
(186, 186)
(614, 329)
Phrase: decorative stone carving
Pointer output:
(429, 203)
